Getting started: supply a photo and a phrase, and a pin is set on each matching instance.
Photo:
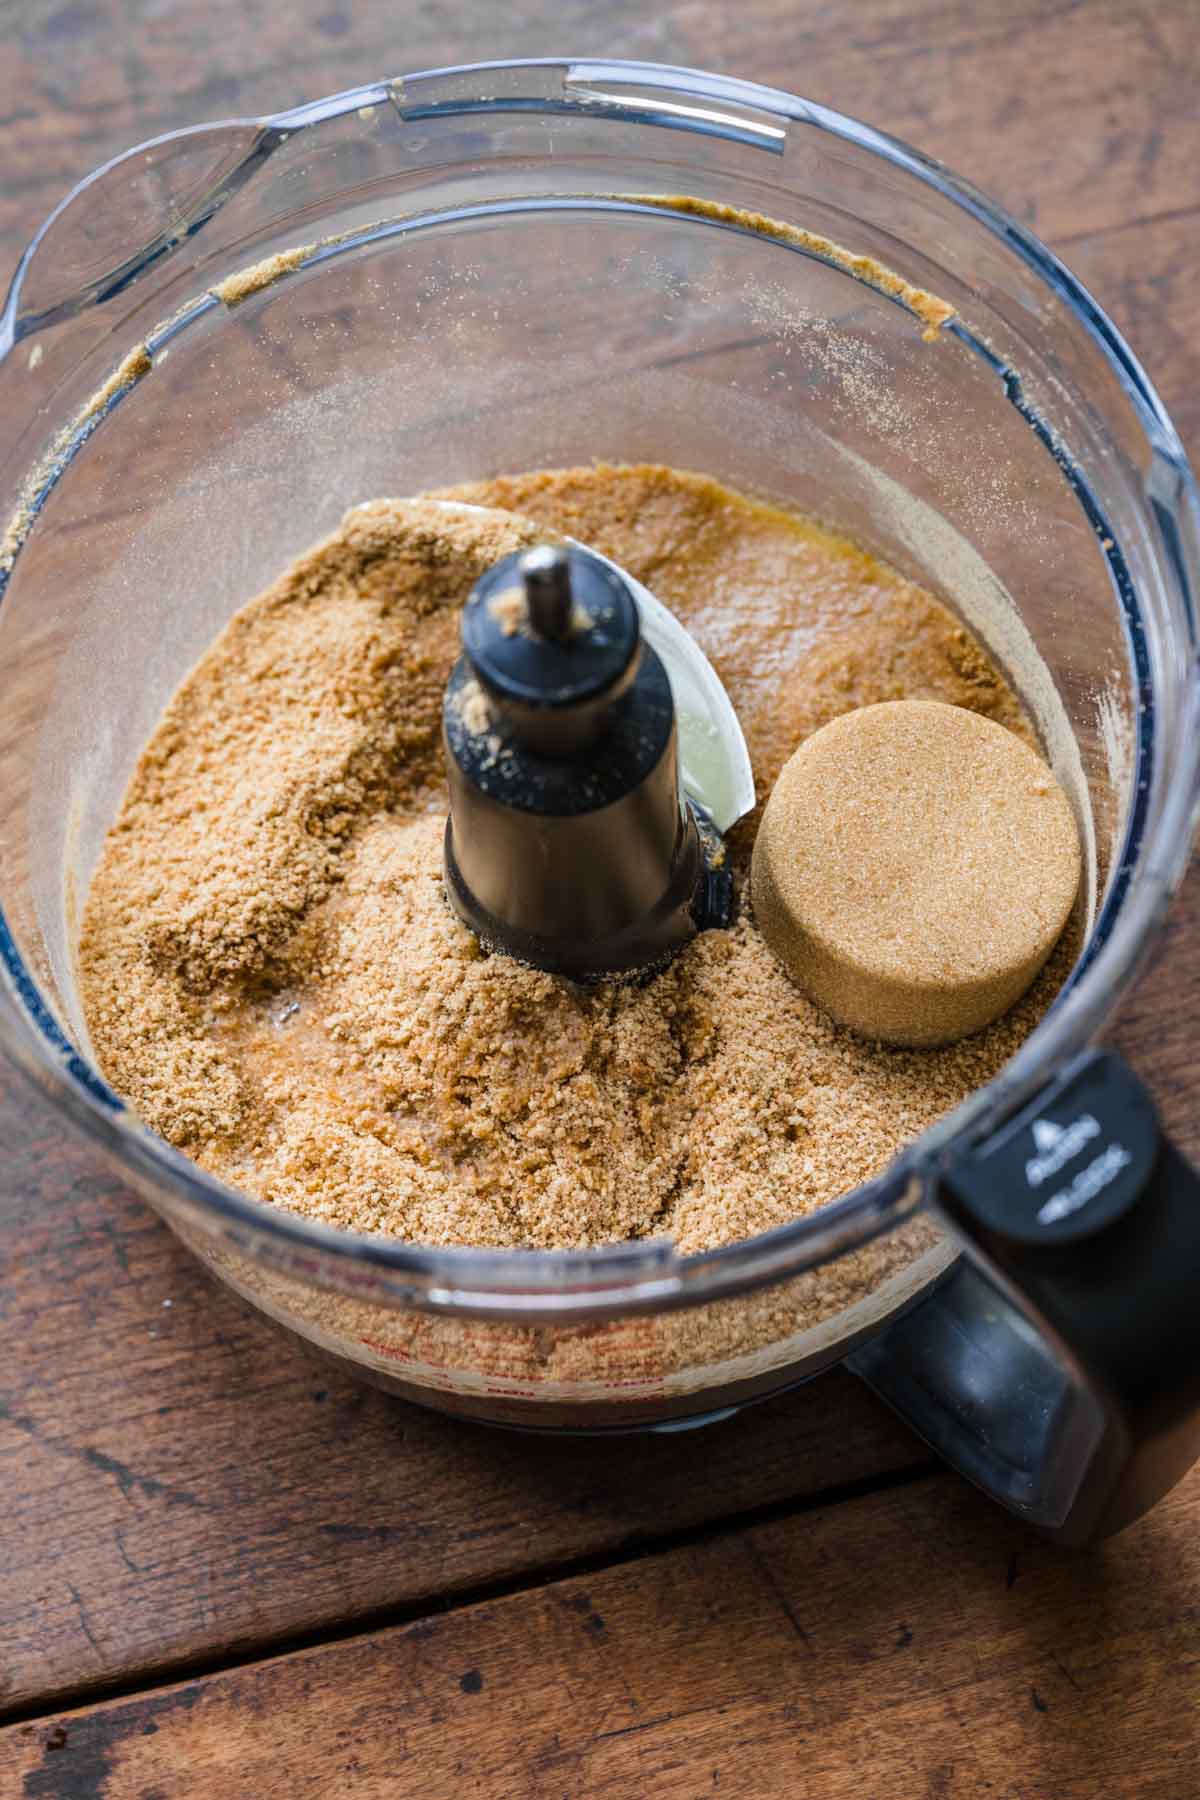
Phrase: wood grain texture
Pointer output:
(181, 1481)
(1145, 278)
(1073, 115)
(907, 1643)
(182, 1486)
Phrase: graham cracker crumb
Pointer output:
(932, 311)
(272, 977)
(510, 611)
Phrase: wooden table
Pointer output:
(226, 1573)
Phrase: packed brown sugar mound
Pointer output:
(272, 977)
(915, 866)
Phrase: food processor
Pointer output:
(226, 337)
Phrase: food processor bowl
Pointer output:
(225, 338)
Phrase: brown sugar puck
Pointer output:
(915, 865)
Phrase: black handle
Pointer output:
(1058, 1365)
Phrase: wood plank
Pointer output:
(180, 1480)
(81, 83)
(1143, 276)
(908, 1642)
(1075, 117)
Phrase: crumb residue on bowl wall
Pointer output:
(932, 311)
(252, 280)
(128, 371)
(244, 283)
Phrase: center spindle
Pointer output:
(569, 844)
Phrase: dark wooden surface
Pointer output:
(223, 1571)
(902, 1643)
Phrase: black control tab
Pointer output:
(1071, 1164)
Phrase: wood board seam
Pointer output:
(84, 1695)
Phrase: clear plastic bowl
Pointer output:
(469, 271)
